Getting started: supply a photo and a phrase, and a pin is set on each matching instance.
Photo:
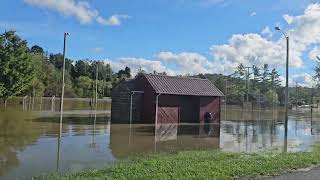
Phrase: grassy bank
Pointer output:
(202, 165)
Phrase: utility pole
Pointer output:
(62, 86)
(296, 96)
(96, 100)
(248, 81)
(287, 87)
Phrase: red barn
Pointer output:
(157, 99)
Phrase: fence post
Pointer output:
(53, 103)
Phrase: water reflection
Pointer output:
(126, 140)
(29, 146)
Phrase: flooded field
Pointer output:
(30, 143)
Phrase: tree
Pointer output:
(81, 68)
(265, 78)
(126, 73)
(256, 79)
(57, 61)
(36, 50)
(84, 86)
(240, 70)
(275, 78)
(16, 67)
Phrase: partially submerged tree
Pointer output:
(16, 67)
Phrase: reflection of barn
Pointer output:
(164, 99)
(143, 139)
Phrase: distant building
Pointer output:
(154, 99)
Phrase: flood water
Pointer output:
(30, 143)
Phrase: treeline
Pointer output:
(262, 85)
(33, 72)
(255, 84)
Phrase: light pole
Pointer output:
(248, 81)
(62, 85)
(287, 85)
(61, 99)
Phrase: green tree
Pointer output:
(275, 78)
(81, 68)
(265, 79)
(84, 86)
(126, 73)
(37, 50)
(16, 67)
(256, 79)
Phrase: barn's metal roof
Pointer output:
(182, 85)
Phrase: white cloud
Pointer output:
(97, 49)
(81, 10)
(252, 49)
(314, 53)
(136, 63)
(253, 14)
(305, 31)
(188, 62)
(114, 20)
(288, 18)
(305, 80)
(267, 32)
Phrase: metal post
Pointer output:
(53, 103)
(296, 96)
(40, 103)
(248, 85)
(96, 87)
(287, 87)
(248, 82)
(62, 86)
(131, 103)
(33, 95)
(132, 93)
(157, 103)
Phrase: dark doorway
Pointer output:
(189, 110)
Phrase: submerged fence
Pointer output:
(28, 103)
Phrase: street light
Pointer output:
(287, 80)
(287, 72)
(63, 84)
(248, 80)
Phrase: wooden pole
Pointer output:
(96, 101)
(62, 86)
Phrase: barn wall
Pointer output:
(120, 104)
(137, 108)
(168, 109)
(210, 104)
(149, 101)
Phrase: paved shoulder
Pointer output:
(313, 174)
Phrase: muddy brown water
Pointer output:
(29, 143)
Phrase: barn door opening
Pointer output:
(189, 110)
(168, 115)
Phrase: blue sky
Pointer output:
(176, 36)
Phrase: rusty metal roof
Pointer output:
(182, 85)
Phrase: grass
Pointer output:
(201, 165)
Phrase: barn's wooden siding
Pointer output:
(120, 109)
(210, 104)
(120, 103)
(169, 109)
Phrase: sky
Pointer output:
(174, 36)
